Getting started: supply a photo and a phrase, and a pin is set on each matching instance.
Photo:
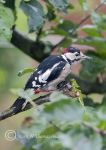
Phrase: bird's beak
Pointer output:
(84, 56)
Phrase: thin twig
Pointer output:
(89, 15)
(79, 24)
(55, 126)
(38, 34)
(95, 129)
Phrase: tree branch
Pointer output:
(10, 112)
(86, 87)
(13, 110)
(35, 49)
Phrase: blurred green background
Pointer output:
(11, 62)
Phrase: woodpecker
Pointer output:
(51, 74)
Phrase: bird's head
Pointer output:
(74, 55)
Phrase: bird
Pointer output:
(51, 74)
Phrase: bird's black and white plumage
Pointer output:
(52, 72)
(49, 73)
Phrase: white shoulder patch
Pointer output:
(35, 78)
(43, 77)
(34, 84)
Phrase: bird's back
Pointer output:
(45, 65)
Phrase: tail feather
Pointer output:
(19, 104)
(14, 109)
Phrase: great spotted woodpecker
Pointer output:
(51, 74)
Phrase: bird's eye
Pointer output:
(77, 54)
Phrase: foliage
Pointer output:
(35, 14)
(62, 124)
(25, 70)
(6, 23)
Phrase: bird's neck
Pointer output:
(66, 59)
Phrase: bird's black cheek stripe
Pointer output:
(78, 59)
(70, 61)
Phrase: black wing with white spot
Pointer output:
(49, 62)
(46, 72)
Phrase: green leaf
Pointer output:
(93, 67)
(60, 111)
(89, 142)
(99, 20)
(67, 26)
(84, 4)
(35, 13)
(76, 89)
(91, 30)
(60, 4)
(98, 43)
(6, 22)
(49, 131)
(51, 12)
(64, 27)
(25, 71)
